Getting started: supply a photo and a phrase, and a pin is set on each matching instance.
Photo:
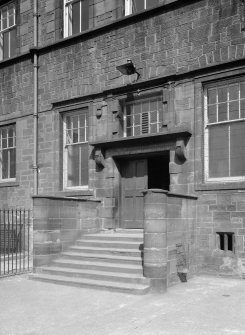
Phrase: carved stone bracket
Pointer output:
(180, 151)
(99, 157)
(241, 10)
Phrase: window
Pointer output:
(143, 117)
(76, 16)
(7, 153)
(225, 131)
(7, 31)
(76, 149)
(226, 241)
(135, 6)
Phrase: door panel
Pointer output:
(133, 181)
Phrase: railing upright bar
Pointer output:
(28, 241)
(8, 237)
(13, 239)
(20, 239)
(24, 240)
(0, 242)
(4, 241)
(17, 246)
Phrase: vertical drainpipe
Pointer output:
(35, 89)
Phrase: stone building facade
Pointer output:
(101, 136)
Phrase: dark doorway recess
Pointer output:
(158, 171)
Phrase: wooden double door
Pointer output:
(138, 175)
(134, 180)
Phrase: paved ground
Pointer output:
(204, 305)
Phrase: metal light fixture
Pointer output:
(128, 69)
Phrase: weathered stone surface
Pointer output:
(155, 240)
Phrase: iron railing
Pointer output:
(14, 241)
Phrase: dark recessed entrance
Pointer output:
(158, 171)
(136, 176)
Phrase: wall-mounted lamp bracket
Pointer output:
(128, 69)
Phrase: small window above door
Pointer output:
(144, 116)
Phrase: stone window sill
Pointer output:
(9, 184)
(221, 186)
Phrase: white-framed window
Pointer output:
(7, 153)
(144, 116)
(76, 155)
(76, 16)
(224, 133)
(135, 6)
(7, 31)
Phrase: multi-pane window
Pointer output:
(76, 16)
(76, 149)
(225, 131)
(7, 31)
(7, 153)
(143, 117)
(135, 6)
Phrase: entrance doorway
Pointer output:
(138, 175)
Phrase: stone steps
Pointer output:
(108, 260)
(109, 244)
(103, 265)
(243, 267)
(106, 250)
(95, 284)
(105, 257)
(94, 274)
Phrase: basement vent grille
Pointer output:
(226, 241)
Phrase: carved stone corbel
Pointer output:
(99, 158)
(180, 151)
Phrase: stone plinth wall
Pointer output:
(58, 222)
(169, 237)
(217, 213)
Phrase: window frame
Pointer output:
(8, 30)
(207, 125)
(151, 96)
(7, 126)
(82, 110)
(67, 23)
(129, 7)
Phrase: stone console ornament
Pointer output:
(99, 158)
(180, 151)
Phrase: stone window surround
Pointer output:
(229, 122)
(224, 235)
(128, 16)
(10, 181)
(8, 29)
(63, 108)
(129, 4)
(66, 17)
(200, 82)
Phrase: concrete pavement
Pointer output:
(203, 305)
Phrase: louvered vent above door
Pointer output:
(145, 123)
(143, 116)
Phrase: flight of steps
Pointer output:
(109, 260)
(243, 267)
